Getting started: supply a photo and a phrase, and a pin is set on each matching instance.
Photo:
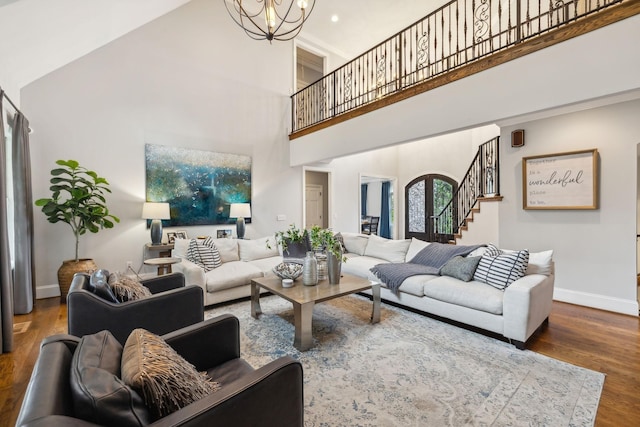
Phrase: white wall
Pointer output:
(594, 250)
(187, 79)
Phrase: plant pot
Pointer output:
(68, 269)
(334, 267)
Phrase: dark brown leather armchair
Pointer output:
(268, 396)
(172, 306)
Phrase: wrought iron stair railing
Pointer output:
(456, 34)
(481, 180)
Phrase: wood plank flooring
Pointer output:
(599, 340)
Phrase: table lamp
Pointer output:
(240, 211)
(156, 212)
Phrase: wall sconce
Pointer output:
(156, 212)
(240, 211)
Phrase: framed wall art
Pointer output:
(561, 181)
(198, 185)
(173, 235)
(224, 234)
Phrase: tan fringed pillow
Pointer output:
(127, 289)
(165, 380)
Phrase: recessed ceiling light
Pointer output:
(334, 18)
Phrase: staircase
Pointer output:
(481, 183)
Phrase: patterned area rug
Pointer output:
(412, 370)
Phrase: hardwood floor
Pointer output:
(599, 340)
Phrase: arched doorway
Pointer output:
(425, 198)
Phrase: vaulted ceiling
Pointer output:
(39, 36)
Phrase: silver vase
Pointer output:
(321, 257)
(334, 267)
(310, 270)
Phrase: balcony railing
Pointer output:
(456, 34)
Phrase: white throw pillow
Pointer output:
(180, 247)
(251, 250)
(540, 263)
(415, 246)
(355, 243)
(228, 249)
(387, 249)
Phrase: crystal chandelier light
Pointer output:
(270, 19)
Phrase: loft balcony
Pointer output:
(458, 40)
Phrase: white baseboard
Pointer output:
(49, 291)
(602, 302)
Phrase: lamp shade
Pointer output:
(156, 211)
(240, 210)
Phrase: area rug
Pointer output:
(412, 370)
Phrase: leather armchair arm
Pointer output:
(164, 283)
(271, 396)
(209, 343)
(58, 420)
(160, 313)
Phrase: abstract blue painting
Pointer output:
(198, 185)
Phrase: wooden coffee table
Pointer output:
(304, 299)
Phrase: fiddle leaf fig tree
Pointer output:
(78, 200)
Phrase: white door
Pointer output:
(313, 205)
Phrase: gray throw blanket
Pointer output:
(428, 261)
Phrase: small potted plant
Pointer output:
(294, 242)
(78, 200)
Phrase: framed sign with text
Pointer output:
(561, 181)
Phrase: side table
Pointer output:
(163, 264)
(163, 249)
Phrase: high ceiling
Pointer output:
(38, 36)
(362, 23)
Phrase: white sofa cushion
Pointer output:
(251, 250)
(414, 285)
(474, 295)
(230, 275)
(355, 243)
(415, 246)
(228, 249)
(266, 265)
(360, 266)
(387, 249)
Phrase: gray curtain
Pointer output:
(23, 291)
(6, 283)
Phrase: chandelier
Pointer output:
(270, 19)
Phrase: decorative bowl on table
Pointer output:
(288, 270)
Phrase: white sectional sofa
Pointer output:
(515, 312)
(242, 260)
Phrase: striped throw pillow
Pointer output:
(204, 255)
(502, 270)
